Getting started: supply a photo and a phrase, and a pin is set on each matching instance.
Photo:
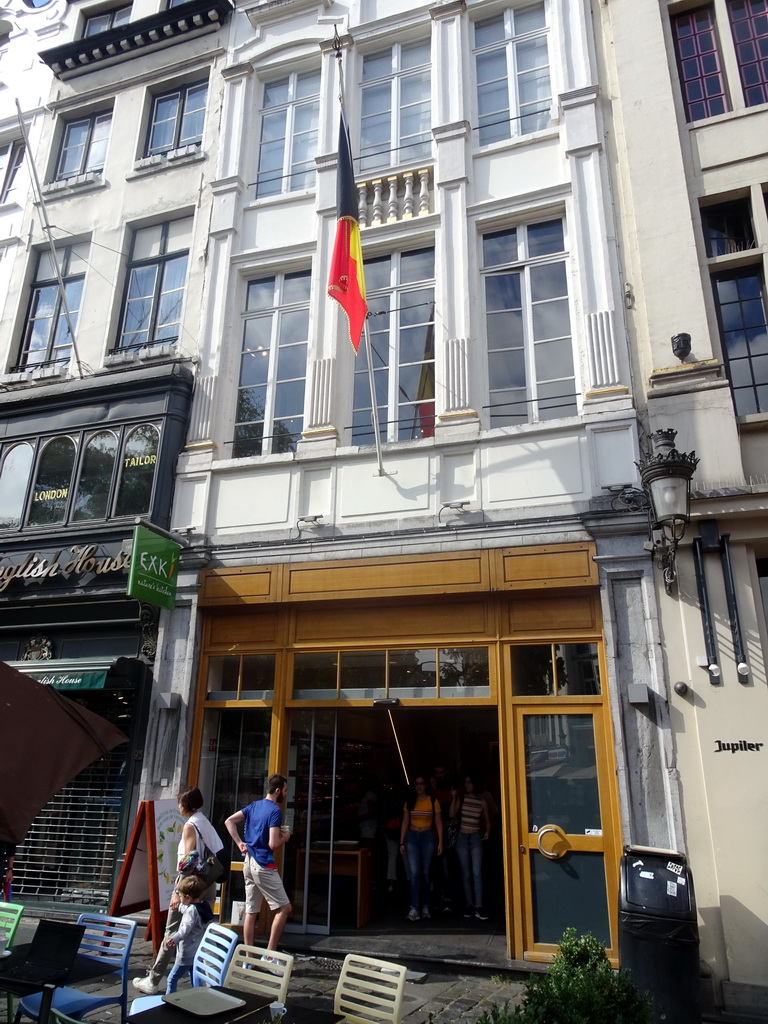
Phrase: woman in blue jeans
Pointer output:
(421, 820)
(474, 829)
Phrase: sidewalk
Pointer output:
(436, 994)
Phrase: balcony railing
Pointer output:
(391, 198)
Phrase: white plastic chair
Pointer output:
(369, 990)
(250, 973)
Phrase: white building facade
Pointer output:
(690, 179)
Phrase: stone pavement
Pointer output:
(433, 995)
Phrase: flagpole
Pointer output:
(366, 330)
(374, 407)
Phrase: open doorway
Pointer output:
(349, 771)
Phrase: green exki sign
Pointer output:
(154, 568)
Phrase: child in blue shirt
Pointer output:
(195, 916)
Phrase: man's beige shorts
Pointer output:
(264, 882)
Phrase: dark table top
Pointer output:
(255, 1011)
(85, 968)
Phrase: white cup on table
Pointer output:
(3, 940)
(277, 1011)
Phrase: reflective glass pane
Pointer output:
(561, 773)
(14, 479)
(95, 477)
(314, 675)
(532, 674)
(570, 889)
(578, 670)
(50, 493)
(258, 677)
(223, 675)
(363, 674)
(413, 673)
(464, 672)
(137, 471)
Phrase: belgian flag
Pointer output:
(346, 283)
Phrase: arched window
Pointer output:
(50, 493)
(137, 472)
(92, 499)
(14, 479)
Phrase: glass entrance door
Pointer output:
(310, 815)
(565, 835)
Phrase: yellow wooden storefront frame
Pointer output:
(493, 598)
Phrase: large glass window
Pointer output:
(156, 280)
(698, 61)
(401, 300)
(749, 26)
(84, 145)
(15, 469)
(555, 670)
(288, 142)
(11, 158)
(395, 122)
(528, 329)
(514, 91)
(114, 18)
(446, 672)
(46, 336)
(80, 477)
(741, 306)
(273, 366)
(177, 118)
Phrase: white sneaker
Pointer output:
(413, 914)
(425, 914)
(274, 963)
(145, 985)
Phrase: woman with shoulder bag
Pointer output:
(197, 834)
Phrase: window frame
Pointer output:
(509, 44)
(526, 265)
(10, 167)
(183, 91)
(64, 256)
(161, 261)
(280, 311)
(111, 16)
(722, 274)
(391, 422)
(81, 439)
(85, 165)
(399, 152)
(292, 108)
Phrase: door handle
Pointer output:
(560, 835)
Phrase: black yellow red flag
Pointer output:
(346, 283)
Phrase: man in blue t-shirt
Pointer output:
(263, 835)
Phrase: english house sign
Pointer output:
(73, 564)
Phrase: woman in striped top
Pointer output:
(474, 829)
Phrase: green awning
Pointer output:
(71, 679)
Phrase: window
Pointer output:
(699, 64)
(156, 278)
(702, 75)
(401, 299)
(395, 125)
(749, 26)
(514, 92)
(85, 476)
(728, 228)
(106, 20)
(288, 134)
(741, 306)
(177, 119)
(84, 145)
(46, 335)
(530, 353)
(273, 366)
(11, 157)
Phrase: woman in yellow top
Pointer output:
(421, 819)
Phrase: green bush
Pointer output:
(579, 988)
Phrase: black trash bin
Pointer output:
(658, 933)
